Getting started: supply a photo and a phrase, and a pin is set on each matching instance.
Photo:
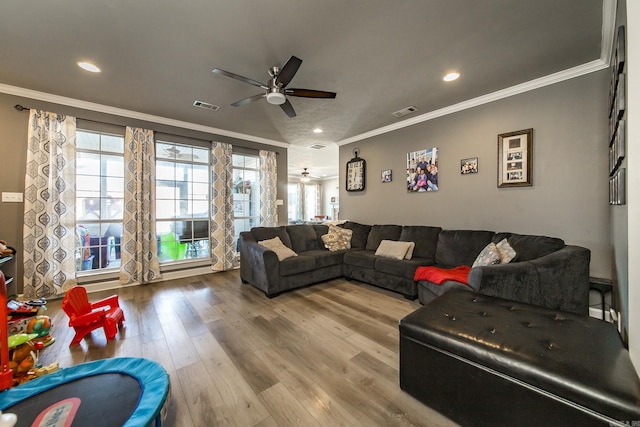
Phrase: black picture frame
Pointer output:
(356, 172)
(515, 159)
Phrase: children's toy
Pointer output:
(85, 316)
(41, 325)
(5, 250)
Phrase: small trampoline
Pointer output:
(124, 391)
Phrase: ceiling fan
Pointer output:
(276, 91)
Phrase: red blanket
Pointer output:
(438, 275)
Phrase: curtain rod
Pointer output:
(20, 107)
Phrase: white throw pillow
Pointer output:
(393, 249)
(507, 253)
(488, 256)
(276, 245)
(409, 253)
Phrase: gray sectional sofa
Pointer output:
(545, 272)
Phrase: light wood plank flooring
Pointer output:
(325, 355)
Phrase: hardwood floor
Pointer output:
(325, 355)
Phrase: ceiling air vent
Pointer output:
(205, 105)
(317, 146)
(404, 111)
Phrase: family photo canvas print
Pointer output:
(422, 170)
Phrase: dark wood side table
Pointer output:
(603, 286)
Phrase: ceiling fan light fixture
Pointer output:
(305, 177)
(276, 98)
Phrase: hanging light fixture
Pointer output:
(305, 177)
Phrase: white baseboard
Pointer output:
(108, 285)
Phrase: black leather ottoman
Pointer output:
(487, 361)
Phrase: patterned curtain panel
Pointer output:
(49, 205)
(300, 209)
(139, 250)
(221, 239)
(268, 189)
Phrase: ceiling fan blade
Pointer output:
(289, 70)
(288, 108)
(248, 100)
(240, 78)
(310, 93)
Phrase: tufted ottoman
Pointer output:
(488, 361)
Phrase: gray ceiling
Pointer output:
(378, 55)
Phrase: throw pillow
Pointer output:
(409, 253)
(337, 239)
(276, 245)
(393, 249)
(507, 253)
(488, 256)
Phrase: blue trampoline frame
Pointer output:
(152, 377)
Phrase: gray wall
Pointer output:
(569, 196)
(13, 138)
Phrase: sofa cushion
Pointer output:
(266, 233)
(360, 234)
(460, 247)
(325, 258)
(362, 259)
(321, 230)
(296, 265)
(425, 238)
(395, 249)
(276, 245)
(402, 268)
(303, 237)
(379, 233)
(530, 247)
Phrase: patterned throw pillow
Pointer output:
(337, 239)
(488, 256)
(507, 253)
(276, 245)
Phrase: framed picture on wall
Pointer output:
(385, 176)
(515, 151)
(468, 166)
(422, 170)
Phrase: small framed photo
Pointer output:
(386, 176)
(469, 166)
(515, 151)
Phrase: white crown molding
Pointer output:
(560, 76)
(100, 108)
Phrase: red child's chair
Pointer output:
(85, 316)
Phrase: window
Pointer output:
(182, 201)
(99, 199)
(311, 199)
(304, 202)
(246, 193)
(294, 213)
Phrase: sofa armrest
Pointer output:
(258, 265)
(559, 280)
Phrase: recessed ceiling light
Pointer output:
(89, 67)
(317, 130)
(451, 77)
